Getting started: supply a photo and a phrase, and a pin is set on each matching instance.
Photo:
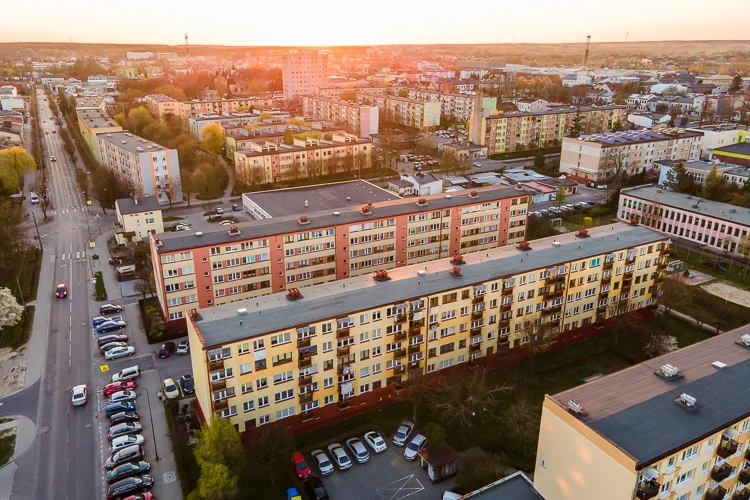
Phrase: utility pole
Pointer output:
(39, 237)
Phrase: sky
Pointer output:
(338, 22)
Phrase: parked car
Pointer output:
(113, 408)
(181, 227)
(170, 389)
(103, 349)
(376, 442)
(141, 496)
(34, 198)
(581, 204)
(110, 309)
(127, 470)
(300, 465)
(122, 396)
(61, 291)
(166, 349)
(358, 450)
(477, 164)
(108, 339)
(219, 210)
(121, 442)
(183, 347)
(402, 433)
(123, 417)
(315, 489)
(129, 485)
(98, 320)
(79, 395)
(114, 387)
(544, 212)
(236, 207)
(416, 445)
(119, 352)
(129, 373)
(323, 462)
(128, 454)
(187, 383)
(110, 327)
(123, 429)
(340, 458)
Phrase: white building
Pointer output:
(466, 74)
(648, 120)
(531, 105)
(303, 73)
(151, 169)
(139, 55)
(717, 136)
(673, 88)
(137, 218)
(420, 184)
(642, 102)
(579, 78)
(7, 91)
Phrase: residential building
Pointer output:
(196, 123)
(324, 245)
(531, 105)
(92, 102)
(404, 111)
(717, 226)
(151, 169)
(12, 104)
(645, 103)
(578, 78)
(11, 128)
(672, 427)
(91, 123)
(239, 138)
(648, 120)
(738, 154)
(510, 131)
(454, 106)
(327, 347)
(359, 119)
(134, 56)
(463, 151)
(303, 73)
(108, 81)
(267, 162)
(699, 170)
(137, 218)
(717, 136)
(419, 184)
(8, 91)
(159, 105)
(722, 82)
(222, 107)
(337, 92)
(598, 156)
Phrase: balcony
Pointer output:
(414, 331)
(603, 293)
(399, 336)
(475, 331)
(744, 476)
(478, 299)
(219, 385)
(504, 323)
(607, 280)
(342, 333)
(215, 365)
(553, 294)
(506, 307)
(221, 405)
(305, 362)
(747, 454)
(415, 365)
(302, 343)
(475, 347)
(342, 352)
(414, 348)
(306, 416)
(555, 279)
(398, 369)
(507, 291)
(304, 381)
(477, 315)
(608, 265)
(721, 472)
(399, 353)
(305, 398)
(727, 447)
(664, 251)
(741, 495)
(717, 493)
(647, 490)
(399, 318)
(393, 380)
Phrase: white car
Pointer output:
(322, 461)
(477, 164)
(358, 450)
(120, 352)
(225, 223)
(340, 458)
(170, 389)
(402, 433)
(121, 396)
(121, 442)
(416, 445)
(376, 442)
(129, 373)
(79, 395)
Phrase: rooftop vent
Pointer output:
(745, 341)
(524, 245)
(233, 231)
(304, 220)
(719, 365)
(381, 276)
(199, 233)
(422, 202)
(474, 194)
(294, 294)
(242, 311)
(456, 272)
(732, 210)
(157, 242)
(687, 402)
(336, 213)
(366, 210)
(575, 407)
(668, 372)
(457, 259)
(448, 197)
(583, 233)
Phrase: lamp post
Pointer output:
(151, 419)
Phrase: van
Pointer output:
(126, 269)
(34, 198)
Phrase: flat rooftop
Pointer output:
(635, 409)
(94, 101)
(742, 148)
(707, 208)
(291, 201)
(555, 110)
(220, 325)
(131, 142)
(638, 136)
(340, 102)
(160, 98)
(514, 487)
(705, 166)
(96, 118)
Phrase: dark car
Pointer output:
(61, 291)
(124, 455)
(111, 345)
(106, 339)
(130, 485)
(187, 383)
(124, 416)
(315, 489)
(110, 410)
(127, 470)
(110, 309)
(99, 320)
(236, 207)
(110, 327)
(166, 349)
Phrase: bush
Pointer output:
(100, 292)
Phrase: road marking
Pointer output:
(69, 254)
(63, 256)
(400, 486)
(78, 255)
(52, 258)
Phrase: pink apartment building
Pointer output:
(718, 226)
(359, 119)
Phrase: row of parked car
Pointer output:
(110, 333)
(564, 209)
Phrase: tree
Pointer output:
(436, 436)
(288, 137)
(169, 189)
(257, 175)
(138, 119)
(660, 343)
(219, 443)
(616, 165)
(661, 108)
(617, 313)
(617, 125)
(467, 400)
(212, 138)
(560, 196)
(521, 420)
(576, 128)
(539, 159)
(416, 388)
(736, 84)
(217, 482)
(539, 338)
(479, 471)
(11, 311)
(714, 187)
(676, 295)
(270, 449)
(107, 188)
(679, 179)
(14, 163)
(41, 189)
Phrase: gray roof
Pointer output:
(145, 204)
(219, 325)
(160, 98)
(96, 118)
(514, 487)
(681, 201)
(635, 409)
(400, 183)
(131, 142)
(555, 110)
(742, 148)
(325, 218)
(424, 178)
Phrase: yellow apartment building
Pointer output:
(674, 427)
(137, 218)
(307, 356)
(410, 112)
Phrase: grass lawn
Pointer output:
(173, 218)
(694, 259)
(17, 335)
(716, 311)
(7, 445)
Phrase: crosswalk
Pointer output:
(79, 256)
(69, 210)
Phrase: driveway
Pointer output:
(387, 476)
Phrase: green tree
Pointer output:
(616, 126)
(288, 137)
(212, 138)
(736, 84)
(14, 163)
(576, 128)
(679, 179)
(217, 482)
(270, 450)
(436, 436)
(661, 108)
(107, 188)
(539, 159)
(219, 443)
(715, 185)
(560, 196)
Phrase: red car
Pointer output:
(141, 496)
(119, 386)
(61, 290)
(300, 466)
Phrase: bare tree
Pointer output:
(41, 189)
(521, 419)
(416, 389)
(539, 338)
(675, 295)
(615, 165)
(617, 313)
(168, 189)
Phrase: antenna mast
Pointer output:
(187, 53)
(586, 53)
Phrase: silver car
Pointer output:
(375, 442)
(340, 458)
(121, 442)
(121, 396)
(402, 433)
(358, 450)
(322, 461)
(119, 352)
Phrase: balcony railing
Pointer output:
(221, 405)
(399, 353)
(343, 351)
(647, 490)
(477, 314)
(398, 369)
(721, 472)
(219, 385)
(504, 323)
(554, 279)
(744, 476)
(727, 447)
(414, 348)
(399, 318)
(477, 299)
(306, 416)
(342, 333)
(747, 453)
(607, 280)
(507, 291)
(664, 251)
(307, 380)
(302, 343)
(399, 336)
(506, 307)
(414, 331)
(415, 365)
(304, 363)
(717, 493)
(216, 365)
(477, 330)
(608, 265)
(305, 398)
(475, 347)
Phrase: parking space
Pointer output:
(197, 222)
(386, 476)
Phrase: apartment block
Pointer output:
(337, 92)
(452, 105)
(404, 111)
(303, 73)
(267, 162)
(91, 123)
(191, 109)
(325, 348)
(151, 169)
(240, 138)
(359, 119)
(673, 427)
(719, 226)
(159, 105)
(718, 136)
(242, 119)
(137, 218)
(510, 131)
(269, 256)
(598, 156)
(699, 171)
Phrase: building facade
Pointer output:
(217, 268)
(599, 156)
(159, 105)
(91, 123)
(192, 109)
(404, 111)
(240, 138)
(720, 226)
(303, 73)
(718, 136)
(136, 219)
(452, 105)
(266, 361)
(737, 154)
(674, 427)
(359, 119)
(150, 169)
(242, 119)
